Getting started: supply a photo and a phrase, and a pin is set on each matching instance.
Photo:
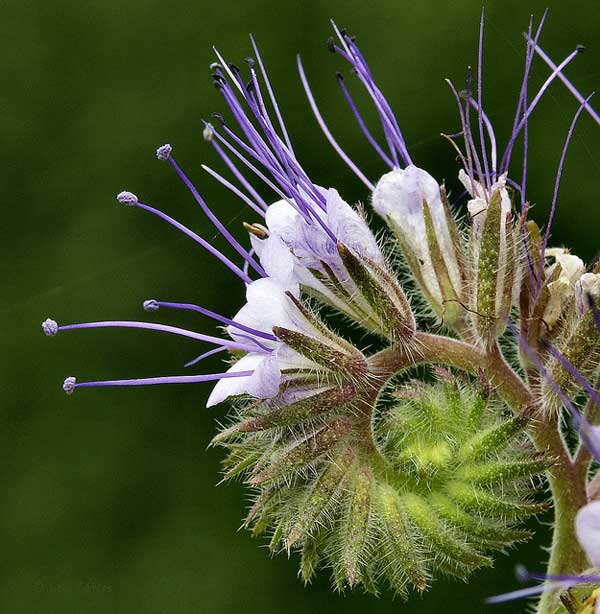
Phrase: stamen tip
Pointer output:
(127, 198)
(581, 48)
(164, 152)
(50, 327)
(69, 384)
(151, 305)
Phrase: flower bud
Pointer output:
(411, 203)
(561, 288)
(494, 252)
(579, 345)
(383, 293)
(449, 482)
(587, 292)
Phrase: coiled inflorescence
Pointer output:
(445, 481)
(388, 492)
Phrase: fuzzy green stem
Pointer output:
(435, 349)
(568, 488)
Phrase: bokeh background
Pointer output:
(109, 498)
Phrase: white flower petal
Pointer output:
(277, 260)
(587, 525)
(350, 228)
(233, 386)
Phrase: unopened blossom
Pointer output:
(562, 289)
(587, 291)
(401, 197)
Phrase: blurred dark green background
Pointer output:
(109, 498)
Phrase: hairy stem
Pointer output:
(435, 349)
(568, 488)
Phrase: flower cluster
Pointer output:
(435, 480)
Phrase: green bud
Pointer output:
(450, 553)
(324, 354)
(300, 454)
(403, 550)
(493, 438)
(383, 293)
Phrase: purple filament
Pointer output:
(175, 379)
(557, 184)
(203, 356)
(508, 153)
(593, 114)
(315, 109)
(205, 244)
(162, 328)
(361, 122)
(480, 97)
(217, 317)
(215, 220)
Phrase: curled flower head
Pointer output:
(352, 461)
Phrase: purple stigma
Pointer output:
(127, 198)
(69, 384)
(164, 152)
(50, 327)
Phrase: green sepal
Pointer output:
(321, 495)
(312, 553)
(494, 438)
(354, 530)
(486, 503)
(287, 415)
(326, 355)
(483, 532)
(487, 269)
(497, 472)
(300, 454)
(449, 552)
(400, 544)
(383, 293)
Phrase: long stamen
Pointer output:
(491, 136)
(361, 121)
(210, 134)
(507, 154)
(235, 190)
(212, 217)
(203, 356)
(480, 97)
(522, 103)
(131, 199)
(315, 109)
(465, 134)
(351, 53)
(163, 328)
(71, 383)
(557, 184)
(154, 305)
(469, 132)
(271, 94)
(524, 592)
(593, 114)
